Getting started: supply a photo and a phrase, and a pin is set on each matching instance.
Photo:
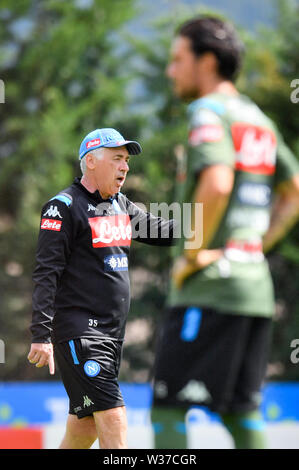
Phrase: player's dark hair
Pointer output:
(210, 34)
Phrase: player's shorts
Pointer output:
(211, 359)
(89, 370)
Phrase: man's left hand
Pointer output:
(41, 354)
(183, 268)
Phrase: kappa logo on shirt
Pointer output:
(91, 208)
(52, 212)
(51, 224)
(112, 230)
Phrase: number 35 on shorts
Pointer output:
(92, 322)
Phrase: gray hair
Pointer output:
(98, 153)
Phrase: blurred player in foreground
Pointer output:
(81, 296)
(215, 338)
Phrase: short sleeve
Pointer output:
(210, 141)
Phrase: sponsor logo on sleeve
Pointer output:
(206, 133)
(112, 230)
(52, 212)
(51, 224)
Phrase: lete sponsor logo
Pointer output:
(255, 147)
(111, 230)
(93, 143)
(51, 224)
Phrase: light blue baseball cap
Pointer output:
(107, 137)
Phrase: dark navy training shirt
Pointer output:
(81, 279)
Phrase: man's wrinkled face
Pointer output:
(110, 170)
(184, 69)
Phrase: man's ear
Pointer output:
(209, 61)
(90, 161)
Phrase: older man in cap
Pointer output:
(81, 296)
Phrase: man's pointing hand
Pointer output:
(41, 354)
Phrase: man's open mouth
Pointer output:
(120, 180)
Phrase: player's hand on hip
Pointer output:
(41, 354)
(183, 268)
(206, 257)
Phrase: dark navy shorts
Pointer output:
(89, 370)
(211, 359)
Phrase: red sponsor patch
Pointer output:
(51, 224)
(93, 143)
(248, 246)
(255, 147)
(112, 230)
(206, 133)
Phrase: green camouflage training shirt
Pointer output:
(233, 131)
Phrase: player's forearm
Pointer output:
(41, 326)
(213, 191)
(213, 210)
(43, 299)
(285, 214)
